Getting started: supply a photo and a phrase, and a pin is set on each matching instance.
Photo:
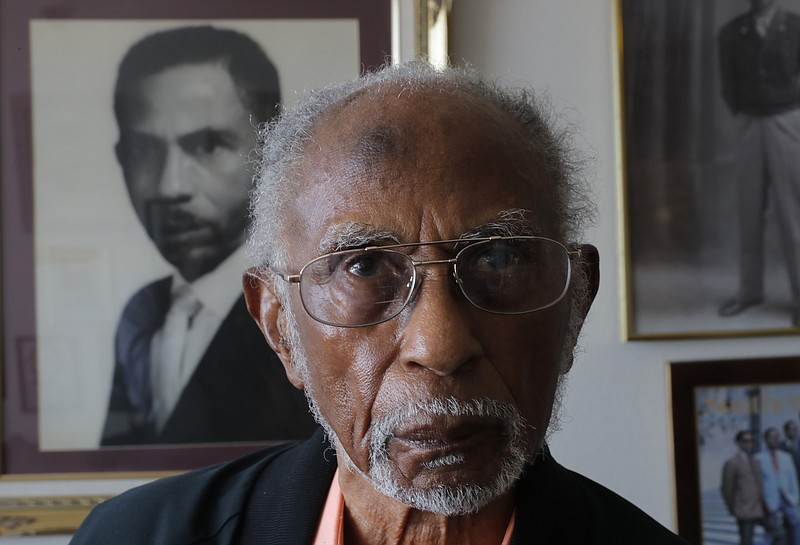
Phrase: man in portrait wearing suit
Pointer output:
(760, 71)
(781, 495)
(743, 493)
(191, 366)
(791, 442)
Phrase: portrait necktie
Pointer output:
(168, 352)
(142, 317)
(762, 24)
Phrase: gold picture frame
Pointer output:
(677, 153)
(432, 19)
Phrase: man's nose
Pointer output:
(176, 173)
(439, 328)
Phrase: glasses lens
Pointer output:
(513, 276)
(356, 287)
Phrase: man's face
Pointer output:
(762, 5)
(746, 443)
(773, 439)
(430, 168)
(183, 161)
(791, 430)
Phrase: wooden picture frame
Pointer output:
(711, 402)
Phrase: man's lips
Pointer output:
(179, 229)
(180, 222)
(447, 433)
(194, 235)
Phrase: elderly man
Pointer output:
(417, 279)
(191, 367)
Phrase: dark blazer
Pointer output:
(239, 391)
(761, 76)
(276, 496)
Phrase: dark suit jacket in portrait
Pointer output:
(761, 76)
(238, 392)
(276, 497)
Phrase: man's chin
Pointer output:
(449, 491)
(194, 261)
(448, 456)
(447, 473)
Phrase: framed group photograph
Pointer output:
(709, 211)
(728, 417)
(118, 119)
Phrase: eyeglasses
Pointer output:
(368, 286)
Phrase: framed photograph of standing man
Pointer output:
(711, 125)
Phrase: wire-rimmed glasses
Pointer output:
(501, 275)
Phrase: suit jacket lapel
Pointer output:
(287, 501)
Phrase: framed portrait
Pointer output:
(80, 248)
(707, 217)
(722, 412)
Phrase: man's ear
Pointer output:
(589, 265)
(267, 310)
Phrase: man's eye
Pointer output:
(203, 143)
(366, 266)
(495, 258)
(139, 151)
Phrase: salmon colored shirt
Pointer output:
(331, 527)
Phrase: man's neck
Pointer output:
(221, 287)
(371, 518)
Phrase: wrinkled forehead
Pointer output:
(421, 161)
(399, 124)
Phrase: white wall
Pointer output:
(617, 428)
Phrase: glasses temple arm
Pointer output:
(261, 275)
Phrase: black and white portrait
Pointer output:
(711, 101)
(141, 142)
